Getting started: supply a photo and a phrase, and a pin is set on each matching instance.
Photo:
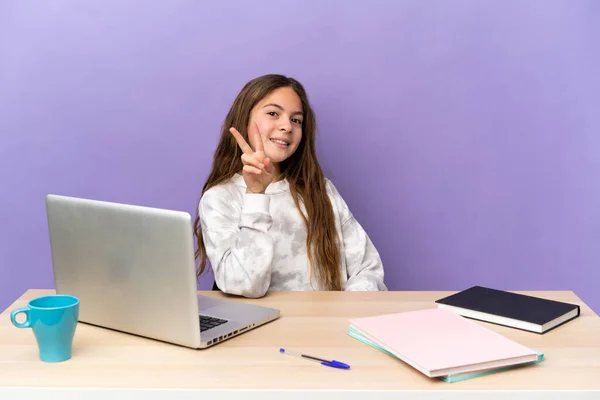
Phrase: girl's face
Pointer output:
(279, 120)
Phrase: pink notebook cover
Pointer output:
(438, 341)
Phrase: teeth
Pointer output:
(279, 141)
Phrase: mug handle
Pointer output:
(13, 318)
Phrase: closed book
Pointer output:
(510, 309)
(439, 342)
(458, 377)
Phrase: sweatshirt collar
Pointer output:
(275, 187)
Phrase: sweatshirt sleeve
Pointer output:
(235, 233)
(364, 266)
(363, 263)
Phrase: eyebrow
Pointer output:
(281, 108)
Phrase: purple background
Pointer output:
(465, 135)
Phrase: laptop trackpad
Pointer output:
(232, 310)
(206, 302)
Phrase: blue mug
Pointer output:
(53, 320)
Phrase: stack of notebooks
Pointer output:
(441, 343)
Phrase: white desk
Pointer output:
(108, 363)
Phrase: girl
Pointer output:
(268, 219)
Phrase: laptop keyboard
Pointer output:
(207, 323)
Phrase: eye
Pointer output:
(272, 113)
(297, 121)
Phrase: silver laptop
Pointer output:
(133, 269)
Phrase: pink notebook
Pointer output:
(439, 342)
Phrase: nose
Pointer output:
(285, 126)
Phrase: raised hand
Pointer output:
(258, 169)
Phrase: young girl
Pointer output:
(268, 219)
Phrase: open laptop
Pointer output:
(133, 270)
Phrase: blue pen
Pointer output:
(328, 363)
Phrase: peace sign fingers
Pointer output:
(257, 169)
(256, 139)
(241, 141)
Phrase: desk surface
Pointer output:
(311, 322)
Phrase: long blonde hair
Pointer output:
(302, 170)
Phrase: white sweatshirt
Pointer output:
(257, 242)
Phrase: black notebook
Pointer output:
(510, 309)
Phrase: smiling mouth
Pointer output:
(279, 141)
